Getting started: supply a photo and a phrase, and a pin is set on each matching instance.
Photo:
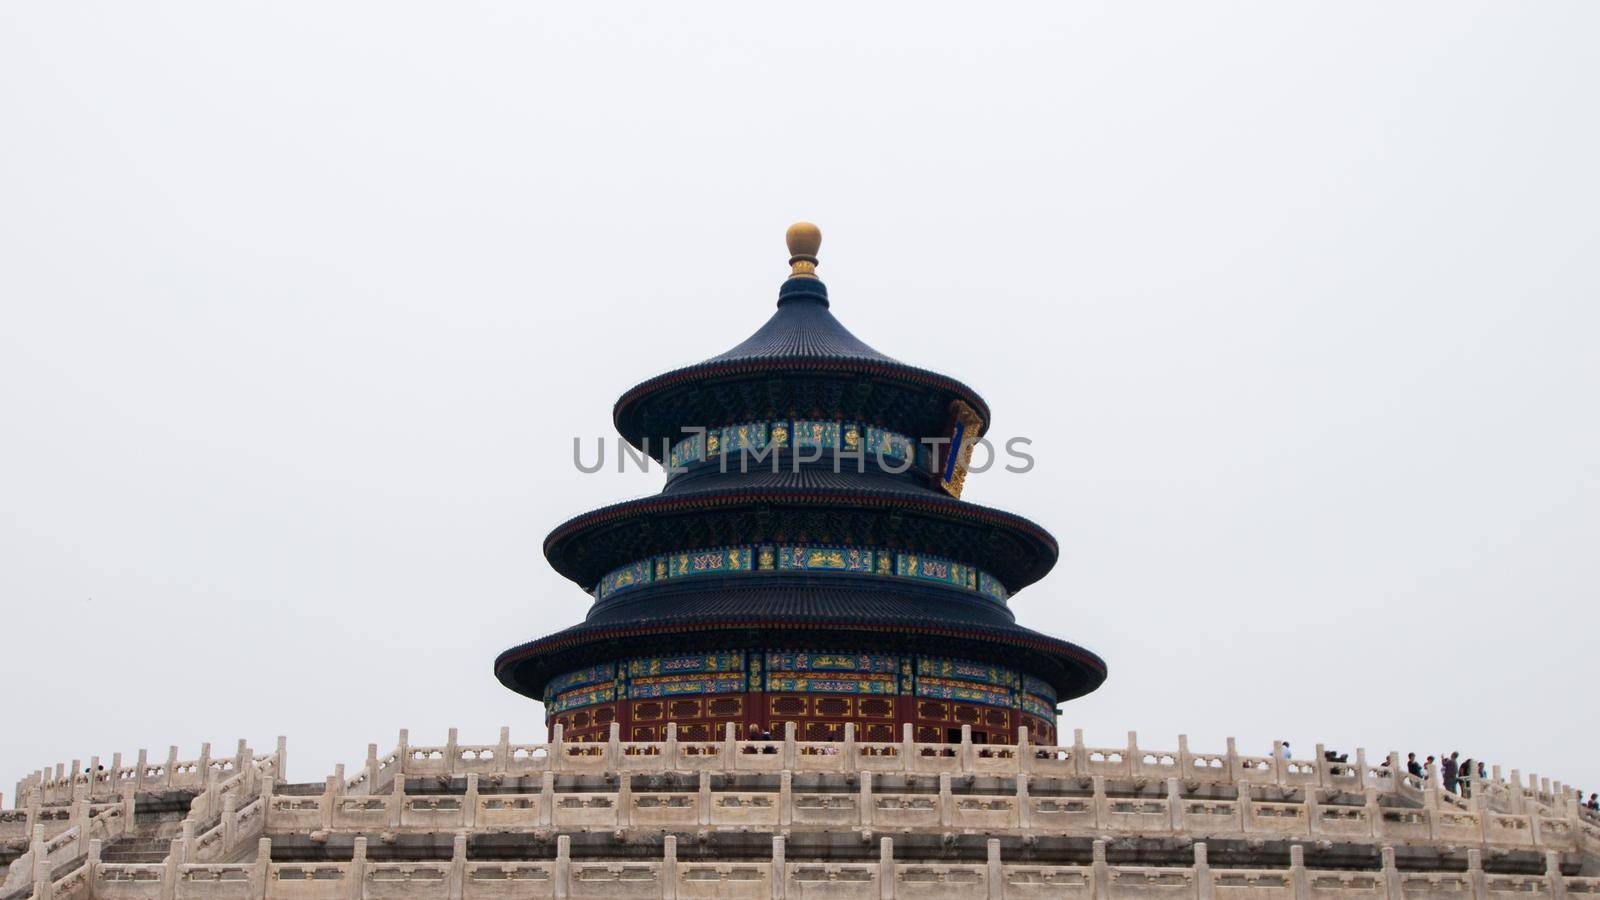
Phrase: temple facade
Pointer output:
(809, 560)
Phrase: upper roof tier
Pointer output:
(803, 364)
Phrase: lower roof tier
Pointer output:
(805, 613)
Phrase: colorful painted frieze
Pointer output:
(827, 661)
(889, 445)
(709, 562)
(937, 569)
(842, 683)
(965, 691)
(1037, 706)
(631, 575)
(751, 436)
(732, 661)
(587, 696)
(1038, 688)
(680, 685)
(990, 587)
(838, 559)
(689, 449)
(812, 433)
(966, 670)
(592, 675)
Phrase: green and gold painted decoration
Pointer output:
(757, 439)
(797, 558)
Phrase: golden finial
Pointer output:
(804, 239)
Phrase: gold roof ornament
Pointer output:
(804, 240)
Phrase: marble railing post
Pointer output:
(1101, 872)
(1323, 766)
(1233, 759)
(1247, 809)
(169, 870)
(886, 881)
(730, 746)
(614, 746)
(1391, 876)
(1475, 877)
(1184, 760)
(1080, 761)
(1203, 881)
(558, 756)
(43, 879)
(280, 761)
(670, 752)
(849, 748)
(230, 820)
(966, 748)
(1277, 762)
(451, 751)
(1024, 802)
(458, 866)
(172, 767)
(908, 747)
(1101, 808)
(372, 770)
(205, 762)
(563, 879)
(91, 864)
(502, 750)
(1374, 813)
(946, 801)
(261, 872)
(703, 791)
(1297, 872)
(866, 805)
(996, 874)
(330, 797)
(356, 879)
(1132, 754)
(780, 870)
(397, 800)
(1175, 804)
(788, 745)
(625, 799)
(1558, 882)
(72, 781)
(1024, 748)
(785, 797)
(402, 753)
(669, 867)
(469, 803)
(1312, 824)
(547, 798)
(1361, 768)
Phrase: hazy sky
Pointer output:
(303, 304)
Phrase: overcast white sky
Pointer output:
(304, 302)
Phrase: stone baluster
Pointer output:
(703, 797)
(73, 791)
(1278, 774)
(849, 748)
(230, 821)
(946, 801)
(1391, 876)
(1203, 882)
(502, 750)
(908, 748)
(1024, 802)
(730, 747)
(458, 866)
(867, 806)
(1131, 756)
(43, 879)
(205, 762)
(886, 879)
(670, 752)
(995, 874)
(1102, 809)
(1297, 872)
(1175, 805)
(1323, 766)
(452, 751)
(94, 776)
(330, 797)
(1374, 813)
(1552, 871)
(669, 867)
(1233, 759)
(397, 800)
(91, 863)
(372, 769)
(1024, 750)
(469, 803)
(558, 756)
(356, 880)
(624, 800)
(1100, 872)
(402, 753)
(1185, 761)
(965, 757)
(280, 761)
(172, 767)
(788, 745)
(547, 798)
(1361, 768)
(614, 759)
(1247, 810)
(780, 870)
(1313, 825)
(563, 879)
(1475, 876)
(785, 798)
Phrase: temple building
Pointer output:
(810, 559)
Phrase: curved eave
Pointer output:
(929, 505)
(624, 413)
(526, 668)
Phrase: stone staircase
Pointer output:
(157, 820)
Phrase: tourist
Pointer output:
(1412, 766)
(1451, 770)
(1284, 750)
